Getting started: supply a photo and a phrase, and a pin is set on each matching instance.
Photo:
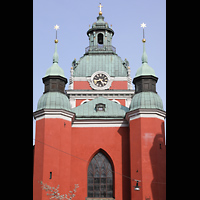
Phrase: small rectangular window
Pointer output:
(100, 107)
(50, 175)
(146, 86)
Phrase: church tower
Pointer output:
(147, 136)
(100, 71)
(53, 119)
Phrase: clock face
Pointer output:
(100, 80)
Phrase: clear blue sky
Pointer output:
(74, 18)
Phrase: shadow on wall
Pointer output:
(126, 182)
(158, 163)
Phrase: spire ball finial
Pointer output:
(143, 40)
(100, 6)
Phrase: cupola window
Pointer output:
(100, 38)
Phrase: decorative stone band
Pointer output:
(54, 113)
(147, 113)
(100, 123)
(99, 198)
(70, 116)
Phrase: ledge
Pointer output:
(92, 198)
(146, 113)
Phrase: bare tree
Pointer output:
(54, 192)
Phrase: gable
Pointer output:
(111, 109)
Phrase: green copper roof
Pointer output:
(54, 100)
(100, 24)
(88, 64)
(145, 69)
(55, 69)
(146, 100)
(112, 109)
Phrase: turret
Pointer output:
(53, 132)
(147, 135)
(100, 37)
(145, 86)
(54, 96)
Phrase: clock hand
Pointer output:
(103, 82)
(95, 81)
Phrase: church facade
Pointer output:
(100, 133)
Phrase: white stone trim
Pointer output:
(114, 100)
(86, 78)
(54, 113)
(92, 94)
(108, 92)
(99, 123)
(84, 101)
(145, 113)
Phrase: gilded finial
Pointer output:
(143, 40)
(56, 27)
(100, 6)
(143, 25)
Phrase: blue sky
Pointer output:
(74, 18)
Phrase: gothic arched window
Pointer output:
(100, 177)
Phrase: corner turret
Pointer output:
(54, 96)
(145, 84)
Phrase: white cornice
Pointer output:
(145, 113)
(86, 78)
(83, 92)
(54, 113)
(92, 94)
(70, 116)
(100, 123)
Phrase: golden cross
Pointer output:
(100, 6)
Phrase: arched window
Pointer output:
(100, 38)
(100, 177)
